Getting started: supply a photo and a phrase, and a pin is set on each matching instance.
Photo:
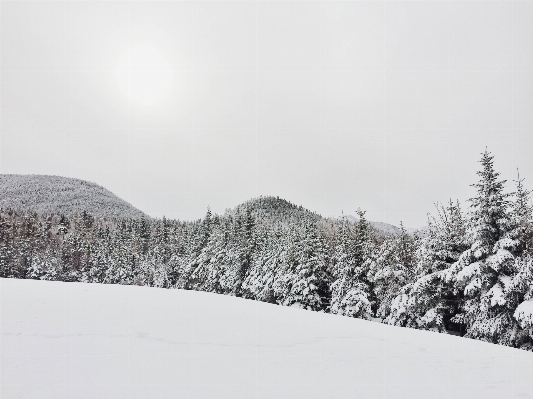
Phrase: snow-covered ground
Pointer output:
(74, 340)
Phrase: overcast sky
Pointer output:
(384, 106)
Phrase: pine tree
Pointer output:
(266, 265)
(519, 293)
(483, 271)
(391, 268)
(431, 301)
(521, 215)
(6, 246)
(304, 280)
(351, 291)
(199, 238)
(63, 225)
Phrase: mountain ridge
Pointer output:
(47, 194)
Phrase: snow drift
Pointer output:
(75, 340)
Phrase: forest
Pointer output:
(469, 274)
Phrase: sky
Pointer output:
(177, 106)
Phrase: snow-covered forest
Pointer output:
(470, 274)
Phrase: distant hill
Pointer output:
(276, 208)
(62, 195)
(384, 227)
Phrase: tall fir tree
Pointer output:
(351, 291)
(392, 267)
(483, 271)
(430, 301)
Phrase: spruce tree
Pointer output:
(391, 268)
(483, 271)
(351, 291)
(304, 279)
(519, 293)
(431, 301)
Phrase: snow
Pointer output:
(75, 340)
(468, 272)
(505, 280)
(496, 295)
(497, 260)
(524, 314)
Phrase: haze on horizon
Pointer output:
(176, 106)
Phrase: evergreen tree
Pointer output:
(6, 246)
(271, 253)
(521, 215)
(519, 293)
(483, 271)
(431, 301)
(391, 268)
(351, 291)
(63, 225)
(304, 280)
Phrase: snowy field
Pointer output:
(74, 340)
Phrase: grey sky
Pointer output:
(332, 105)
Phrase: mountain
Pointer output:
(385, 228)
(275, 208)
(62, 195)
(74, 340)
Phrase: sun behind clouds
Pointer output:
(144, 75)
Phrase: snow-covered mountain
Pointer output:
(276, 208)
(62, 195)
(384, 227)
(75, 340)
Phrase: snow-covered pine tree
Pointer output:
(7, 250)
(484, 271)
(521, 231)
(304, 278)
(350, 293)
(392, 267)
(519, 292)
(240, 252)
(63, 225)
(431, 301)
(121, 265)
(44, 266)
(98, 263)
(199, 238)
(210, 262)
(266, 265)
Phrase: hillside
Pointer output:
(61, 195)
(384, 228)
(74, 340)
(278, 209)
(275, 208)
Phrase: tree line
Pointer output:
(470, 274)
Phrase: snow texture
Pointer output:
(524, 314)
(74, 340)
